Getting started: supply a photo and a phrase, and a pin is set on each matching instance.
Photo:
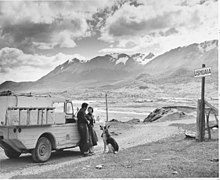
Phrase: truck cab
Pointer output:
(36, 125)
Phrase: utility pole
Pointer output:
(106, 104)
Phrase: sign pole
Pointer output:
(200, 120)
(202, 115)
(106, 101)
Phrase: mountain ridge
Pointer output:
(102, 71)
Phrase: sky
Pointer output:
(36, 36)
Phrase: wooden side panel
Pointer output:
(23, 117)
(12, 117)
(5, 102)
(42, 117)
(12, 134)
(21, 101)
(65, 135)
(4, 132)
(29, 136)
(31, 117)
(51, 119)
(59, 117)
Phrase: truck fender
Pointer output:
(50, 137)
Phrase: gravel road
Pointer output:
(138, 134)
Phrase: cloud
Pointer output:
(61, 33)
(132, 21)
(63, 39)
(160, 24)
(36, 26)
(16, 65)
(44, 25)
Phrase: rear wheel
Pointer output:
(11, 154)
(34, 157)
(42, 151)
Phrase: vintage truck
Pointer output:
(36, 125)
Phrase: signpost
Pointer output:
(203, 72)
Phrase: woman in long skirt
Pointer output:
(92, 134)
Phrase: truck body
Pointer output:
(36, 125)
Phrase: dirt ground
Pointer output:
(173, 157)
(128, 135)
(146, 150)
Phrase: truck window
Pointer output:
(69, 108)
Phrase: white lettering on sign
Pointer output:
(202, 72)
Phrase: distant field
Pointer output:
(131, 101)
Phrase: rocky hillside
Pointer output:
(120, 70)
(99, 71)
(178, 64)
(188, 58)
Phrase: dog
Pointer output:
(109, 141)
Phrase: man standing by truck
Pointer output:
(83, 130)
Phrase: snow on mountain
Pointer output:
(149, 56)
(122, 60)
(208, 46)
(119, 58)
(73, 60)
(114, 55)
(69, 63)
(76, 60)
(138, 57)
(142, 58)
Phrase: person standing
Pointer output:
(83, 130)
(92, 134)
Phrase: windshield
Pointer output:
(69, 107)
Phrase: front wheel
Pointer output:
(42, 151)
(11, 154)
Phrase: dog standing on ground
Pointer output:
(108, 140)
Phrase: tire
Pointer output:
(34, 157)
(42, 151)
(11, 154)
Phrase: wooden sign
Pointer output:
(202, 72)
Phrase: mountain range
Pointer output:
(119, 68)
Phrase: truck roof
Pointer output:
(53, 99)
(11, 93)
